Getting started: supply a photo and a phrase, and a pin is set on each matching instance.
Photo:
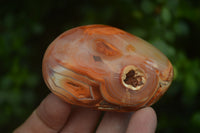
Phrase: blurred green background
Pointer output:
(28, 26)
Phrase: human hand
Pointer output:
(54, 115)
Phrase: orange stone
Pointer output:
(106, 68)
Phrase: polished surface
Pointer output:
(106, 68)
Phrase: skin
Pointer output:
(54, 115)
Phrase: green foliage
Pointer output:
(27, 27)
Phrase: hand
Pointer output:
(53, 116)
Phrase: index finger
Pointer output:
(49, 117)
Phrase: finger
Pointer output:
(114, 122)
(143, 121)
(49, 117)
(82, 120)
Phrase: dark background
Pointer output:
(27, 27)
